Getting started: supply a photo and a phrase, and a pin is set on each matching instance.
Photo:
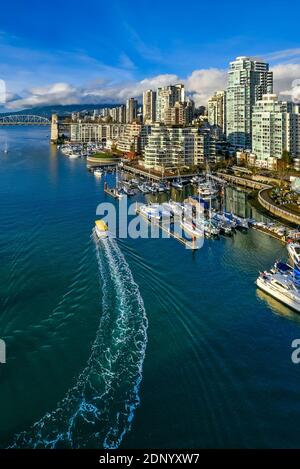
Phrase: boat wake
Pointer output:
(98, 410)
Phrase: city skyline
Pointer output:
(115, 55)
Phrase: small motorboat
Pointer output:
(143, 188)
(98, 173)
(177, 184)
(128, 190)
(162, 187)
(152, 213)
(101, 229)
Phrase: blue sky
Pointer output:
(96, 51)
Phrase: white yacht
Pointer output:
(281, 286)
(176, 207)
(150, 212)
(98, 173)
(206, 191)
(195, 230)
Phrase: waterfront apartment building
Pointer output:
(168, 147)
(216, 110)
(134, 138)
(166, 98)
(84, 132)
(131, 110)
(205, 150)
(149, 106)
(178, 146)
(275, 128)
(248, 81)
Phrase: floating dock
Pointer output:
(110, 191)
(271, 233)
(191, 244)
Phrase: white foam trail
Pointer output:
(99, 409)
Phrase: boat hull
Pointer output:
(284, 299)
(101, 234)
(188, 228)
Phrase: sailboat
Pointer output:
(177, 183)
(119, 191)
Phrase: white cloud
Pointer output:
(287, 80)
(58, 93)
(200, 85)
(286, 54)
(102, 92)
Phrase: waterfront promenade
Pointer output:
(265, 200)
(263, 197)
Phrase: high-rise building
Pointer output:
(275, 128)
(216, 110)
(134, 138)
(131, 110)
(175, 115)
(118, 114)
(189, 111)
(178, 146)
(166, 98)
(149, 107)
(248, 81)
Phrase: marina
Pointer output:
(185, 323)
(150, 233)
(210, 198)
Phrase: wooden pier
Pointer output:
(110, 191)
(270, 233)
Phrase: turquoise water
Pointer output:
(137, 343)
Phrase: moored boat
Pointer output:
(281, 287)
(177, 184)
(193, 229)
(98, 173)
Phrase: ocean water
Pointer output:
(132, 343)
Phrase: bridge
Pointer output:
(24, 119)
